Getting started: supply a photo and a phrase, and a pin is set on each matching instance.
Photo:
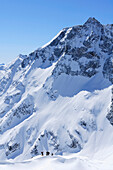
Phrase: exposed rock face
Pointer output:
(51, 141)
(12, 148)
(85, 46)
(110, 114)
(17, 114)
(108, 69)
(83, 50)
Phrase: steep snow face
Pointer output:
(57, 98)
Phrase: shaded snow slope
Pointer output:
(58, 98)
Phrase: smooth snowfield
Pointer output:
(70, 162)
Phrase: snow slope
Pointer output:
(58, 99)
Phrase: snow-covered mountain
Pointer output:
(59, 98)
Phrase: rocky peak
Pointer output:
(93, 21)
(78, 50)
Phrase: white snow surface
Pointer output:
(42, 108)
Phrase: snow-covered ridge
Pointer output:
(57, 99)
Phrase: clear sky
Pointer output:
(26, 25)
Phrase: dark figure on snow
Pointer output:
(47, 153)
(42, 153)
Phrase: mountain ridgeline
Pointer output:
(54, 99)
(84, 45)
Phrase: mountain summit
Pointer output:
(57, 98)
(92, 20)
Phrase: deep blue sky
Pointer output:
(28, 24)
